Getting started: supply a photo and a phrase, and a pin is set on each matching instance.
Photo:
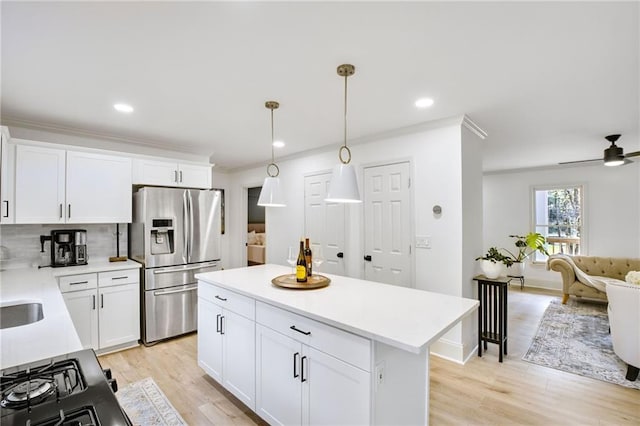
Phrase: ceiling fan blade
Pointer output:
(632, 154)
(581, 161)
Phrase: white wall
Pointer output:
(611, 216)
(436, 155)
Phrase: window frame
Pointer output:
(583, 204)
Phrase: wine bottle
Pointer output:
(301, 265)
(308, 257)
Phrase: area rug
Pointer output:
(145, 404)
(575, 338)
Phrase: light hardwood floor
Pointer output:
(482, 391)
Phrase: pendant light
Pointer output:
(343, 187)
(270, 194)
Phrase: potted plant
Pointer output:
(492, 263)
(526, 245)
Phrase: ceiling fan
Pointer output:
(613, 156)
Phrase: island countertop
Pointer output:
(404, 318)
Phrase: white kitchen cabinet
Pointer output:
(170, 173)
(58, 186)
(83, 309)
(98, 188)
(227, 352)
(104, 307)
(40, 185)
(7, 177)
(299, 384)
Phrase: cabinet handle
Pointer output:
(340, 255)
(102, 301)
(218, 323)
(94, 302)
(61, 211)
(79, 282)
(306, 333)
(69, 215)
(368, 258)
(295, 365)
(221, 298)
(120, 278)
(180, 176)
(175, 176)
(6, 206)
(222, 324)
(302, 379)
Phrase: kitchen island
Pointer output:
(355, 352)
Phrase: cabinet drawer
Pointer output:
(78, 282)
(125, 276)
(355, 350)
(227, 299)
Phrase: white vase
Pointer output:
(490, 269)
(516, 270)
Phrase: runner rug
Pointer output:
(575, 338)
(145, 404)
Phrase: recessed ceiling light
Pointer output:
(123, 108)
(278, 144)
(424, 103)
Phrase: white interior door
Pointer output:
(387, 216)
(324, 223)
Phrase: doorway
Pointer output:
(387, 224)
(256, 237)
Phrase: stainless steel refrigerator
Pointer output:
(175, 234)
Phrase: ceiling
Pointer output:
(546, 81)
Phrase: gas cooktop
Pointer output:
(67, 390)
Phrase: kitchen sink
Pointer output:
(20, 314)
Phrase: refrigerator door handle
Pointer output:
(185, 227)
(184, 269)
(190, 252)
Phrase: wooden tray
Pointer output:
(289, 281)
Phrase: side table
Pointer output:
(492, 314)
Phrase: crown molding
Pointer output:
(75, 131)
(473, 127)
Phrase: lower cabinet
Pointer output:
(289, 369)
(104, 307)
(297, 384)
(226, 341)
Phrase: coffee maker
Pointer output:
(68, 247)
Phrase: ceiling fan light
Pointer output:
(271, 194)
(613, 156)
(343, 187)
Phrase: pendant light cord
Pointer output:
(272, 155)
(345, 70)
(345, 111)
(272, 169)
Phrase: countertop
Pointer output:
(404, 318)
(55, 333)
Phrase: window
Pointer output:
(558, 215)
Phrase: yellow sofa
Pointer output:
(592, 265)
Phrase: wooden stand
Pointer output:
(492, 315)
(289, 281)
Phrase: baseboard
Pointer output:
(449, 350)
(117, 348)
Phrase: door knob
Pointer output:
(340, 255)
(367, 258)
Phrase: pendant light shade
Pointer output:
(271, 194)
(343, 187)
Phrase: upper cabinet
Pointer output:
(167, 173)
(58, 186)
(7, 173)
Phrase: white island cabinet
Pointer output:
(355, 352)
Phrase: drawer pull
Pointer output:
(295, 365)
(306, 333)
(221, 298)
(79, 282)
(120, 278)
(302, 370)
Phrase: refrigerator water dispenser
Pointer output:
(161, 237)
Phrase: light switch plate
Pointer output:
(423, 241)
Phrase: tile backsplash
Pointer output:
(22, 242)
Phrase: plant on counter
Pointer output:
(527, 245)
